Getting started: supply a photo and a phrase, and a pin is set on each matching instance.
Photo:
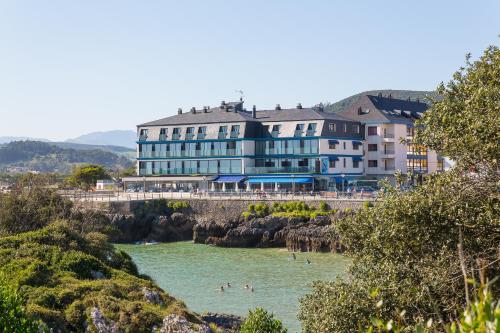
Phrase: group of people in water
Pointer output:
(228, 285)
(295, 258)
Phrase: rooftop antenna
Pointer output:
(241, 94)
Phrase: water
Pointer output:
(195, 272)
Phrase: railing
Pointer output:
(287, 151)
(310, 133)
(189, 136)
(163, 137)
(388, 135)
(388, 152)
(222, 135)
(234, 134)
(201, 136)
(191, 153)
(261, 170)
(176, 136)
(297, 133)
(143, 137)
(389, 168)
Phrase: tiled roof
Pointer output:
(225, 115)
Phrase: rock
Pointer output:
(97, 275)
(178, 324)
(101, 324)
(228, 323)
(152, 296)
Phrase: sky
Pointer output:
(72, 67)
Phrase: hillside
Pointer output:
(47, 157)
(399, 94)
(7, 139)
(124, 138)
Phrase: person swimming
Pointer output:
(228, 285)
(308, 261)
(222, 288)
(247, 286)
(293, 256)
(251, 289)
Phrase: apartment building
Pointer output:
(229, 148)
(389, 126)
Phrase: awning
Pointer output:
(296, 180)
(229, 179)
(333, 158)
(339, 180)
(357, 158)
(333, 142)
(357, 143)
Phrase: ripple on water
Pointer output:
(195, 272)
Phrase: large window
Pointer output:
(276, 131)
(372, 130)
(189, 167)
(291, 146)
(355, 164)
(372, 163)
(311, 129)
(299, 128)
(143, 134)
(235, 131)
(222, 132)
(163, 134)
(332, 127)
(191, 149)
(372, 147)
(189, 133)
(176, 134)
(417, 165)
(202, 131)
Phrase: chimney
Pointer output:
(205, 109)
(193, 110)
(299, 106)
(179, 111)
(278, 107)
(390, 96)
(254, 112)
(222, 103)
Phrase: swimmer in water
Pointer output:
(293, 255)
(308, 261)
(222, 288)
(228, 285)
(251, 289)
(247, 286)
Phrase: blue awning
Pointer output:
(357, 143)
(229, 179)
(333, 142)
(333, 158)
(296, 180)
(339, 180)
(357, 158)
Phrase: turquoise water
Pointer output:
(195, 272)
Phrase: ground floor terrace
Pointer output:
(286, 183)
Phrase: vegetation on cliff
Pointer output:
(417, 251)
(290, 209)
(261, 321)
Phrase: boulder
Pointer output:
(178, 324)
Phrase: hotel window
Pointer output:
(202, 131)
(332, 127)
(222, 132)
(356, 129)
(355, 164)
(276, 130)
(163, 134)
(311, 129)
(331, 164)
(176, 134)
(372, 130)
(299, 128)
(235, 131)
(189, 133)
(143, 134)
(332, 144)
(372, 147)
(345, 128)
(372, 163)
(355, 145)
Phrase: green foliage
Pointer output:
(464, 125)
(29, 207)
(260, 321)
(86, 176)
(55, 268)
(48, 157)
(178, 205)
(406, 248)
(288, 209)
(13, 318)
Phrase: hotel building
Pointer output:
(229, 148)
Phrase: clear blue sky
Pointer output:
(72, 67)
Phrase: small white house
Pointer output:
(105, 184)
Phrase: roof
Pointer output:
(229, 115)
(385, 109)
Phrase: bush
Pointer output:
(260, 321)
(13, 318)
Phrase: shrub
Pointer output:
(260, 321)
(323, 206)
(82, 264)
(13, 318)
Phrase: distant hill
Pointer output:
(7, 139)
(124, 138)
(23, 156)
(399, 94)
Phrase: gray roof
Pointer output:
(228, 115)
(385, 109)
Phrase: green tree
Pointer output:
(261, 321)
(413, 250)
(86, 176)
(13, 319)
(465, 125)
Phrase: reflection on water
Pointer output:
(195, 273)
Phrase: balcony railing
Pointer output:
(311, 133)
(201, 136)
(163, 137)
(388, 136)
(297, 133)
(222, 135)
(388, 152)
(143, 137)
(389, 168)
(176, 136)
(261, 170)
(190, 153)
(234, 134)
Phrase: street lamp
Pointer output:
(343, 176)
